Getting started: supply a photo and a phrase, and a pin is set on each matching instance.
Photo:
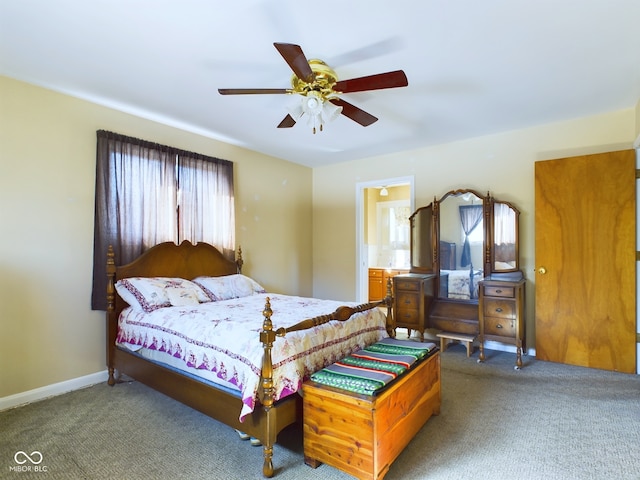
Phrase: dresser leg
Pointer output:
(481, 356)
(518, 357)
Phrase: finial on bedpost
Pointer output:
(239, 260)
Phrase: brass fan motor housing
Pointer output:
(325, 79)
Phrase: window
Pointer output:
(148, 193)
(470, 220)
(476, 235)
(392, 221)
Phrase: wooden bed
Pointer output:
(189, 261)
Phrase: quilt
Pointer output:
(461, 285)
(222, 338)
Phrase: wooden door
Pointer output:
(585, 261)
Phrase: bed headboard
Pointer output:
(169, 260)
(447, 255)
(184, 261)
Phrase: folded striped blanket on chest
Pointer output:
(372, 368)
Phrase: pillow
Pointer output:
(182, 297)
(151, 293)
(228, 286)
(184, 288)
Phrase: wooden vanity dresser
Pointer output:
(413, 294)
(501, 312)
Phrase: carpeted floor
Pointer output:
(547, 421)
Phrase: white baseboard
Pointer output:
(430, 335)
(503, 347)
(52, 390)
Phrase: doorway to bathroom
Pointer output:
(382, 236)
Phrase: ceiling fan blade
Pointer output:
(373, 50)
(252, 91)
(297, 60)
(354, 113)
(372, 82)
(287, 122)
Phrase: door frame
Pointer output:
(636, 145)
(362, 273)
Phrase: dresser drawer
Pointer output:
(413, 294)
(410, 285)
(499, 291)
(503, 327)
(408, 317)
(375, 273)
(408, 300)
(501, 313)
(499, 308)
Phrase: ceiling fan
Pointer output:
(320, 89)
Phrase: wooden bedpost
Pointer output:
(388, 301)
(111, 306)
(267, 337)
(239, 260)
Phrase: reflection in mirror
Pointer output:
(421, 222)
(505, 238)
(461, 248)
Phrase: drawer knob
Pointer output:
(498, 326)
(498, 309)
(407, 302)
(498, 291)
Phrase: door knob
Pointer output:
(542, 270)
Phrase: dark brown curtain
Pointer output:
(148, 193)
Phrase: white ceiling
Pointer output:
(474, 67)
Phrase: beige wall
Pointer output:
(638, 124)
(502, 164)
(47, 175)
(47, 161)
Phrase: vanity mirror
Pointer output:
(459, 240)
(461, 244)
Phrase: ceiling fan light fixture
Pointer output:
(296, 110)
(312, 103)
(330, 111)
(317, 109)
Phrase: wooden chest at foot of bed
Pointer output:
(362, 435)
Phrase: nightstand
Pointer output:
(501, 314)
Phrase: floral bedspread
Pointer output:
(223, 337)
(461, 285)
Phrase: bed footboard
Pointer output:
(268, 336)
